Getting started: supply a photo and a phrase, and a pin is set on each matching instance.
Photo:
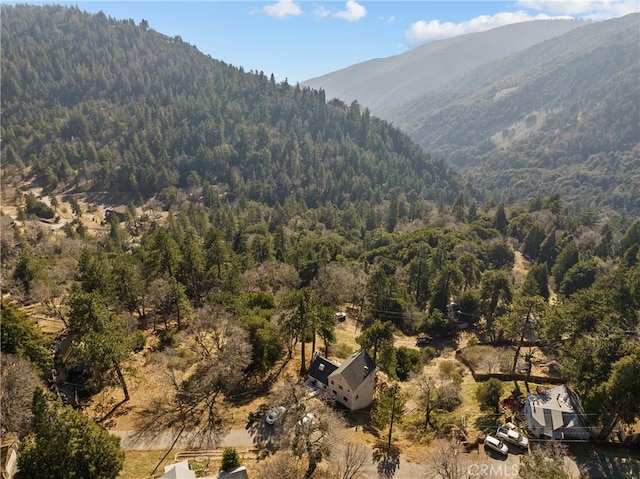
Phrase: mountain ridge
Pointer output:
(381, 83)
(564, 106)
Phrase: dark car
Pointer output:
(422, 341)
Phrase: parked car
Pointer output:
(311, 394)
(274, 413)
(496, 444)
(422, 341)
(512, 436)
(309, 417)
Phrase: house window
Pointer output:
(321, 367)
(335, 392)
(332, 381)
(345, 398)
(356, 397)
(339, 386)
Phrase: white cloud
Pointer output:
(283, 8)
(427, 31)
(352, 13)
(600, 9)
(322, 12)
(423, 32)
(390, 19)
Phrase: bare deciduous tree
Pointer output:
(221, 353)
(349, 462)
(311, 428)
(337, 284)
(547, 460)
(283, 465)
(19, 381)
(445, 461)
(272, 276)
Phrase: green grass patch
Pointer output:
(140, 464)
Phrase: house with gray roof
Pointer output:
(351, 383)
(554, 415)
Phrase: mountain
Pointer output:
(384, 83)
(559, 117)
(90, 103)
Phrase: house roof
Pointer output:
(179, 470)
(238, 473)
(121, 210)
(321, 368)
(356, 369)
(554, 409)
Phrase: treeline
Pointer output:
(93, 103)
(277, 279)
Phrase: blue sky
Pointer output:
(302, 39)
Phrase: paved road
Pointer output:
(158, 441)
(479, 464)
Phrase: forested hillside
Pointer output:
(560, 117)
(92, 103)
(520, 109)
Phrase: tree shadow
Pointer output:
(105, 420)
(159, 414)
(602, 461)
(387, 457)
(253, 389)
(487, 422)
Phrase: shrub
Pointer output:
(488, 395)
(428, 354)
(342, 350)
(139, 341)
(407, 361)
(449, 368)
(230, 459)
(167, 338)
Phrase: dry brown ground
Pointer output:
(149, 382)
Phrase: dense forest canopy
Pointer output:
(94, 103)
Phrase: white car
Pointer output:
(273, 414)
(496, 444)
(309, 417)
(512, 436)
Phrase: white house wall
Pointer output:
(358, 399)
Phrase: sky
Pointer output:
(302, 39)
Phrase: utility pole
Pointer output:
(393, 413)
